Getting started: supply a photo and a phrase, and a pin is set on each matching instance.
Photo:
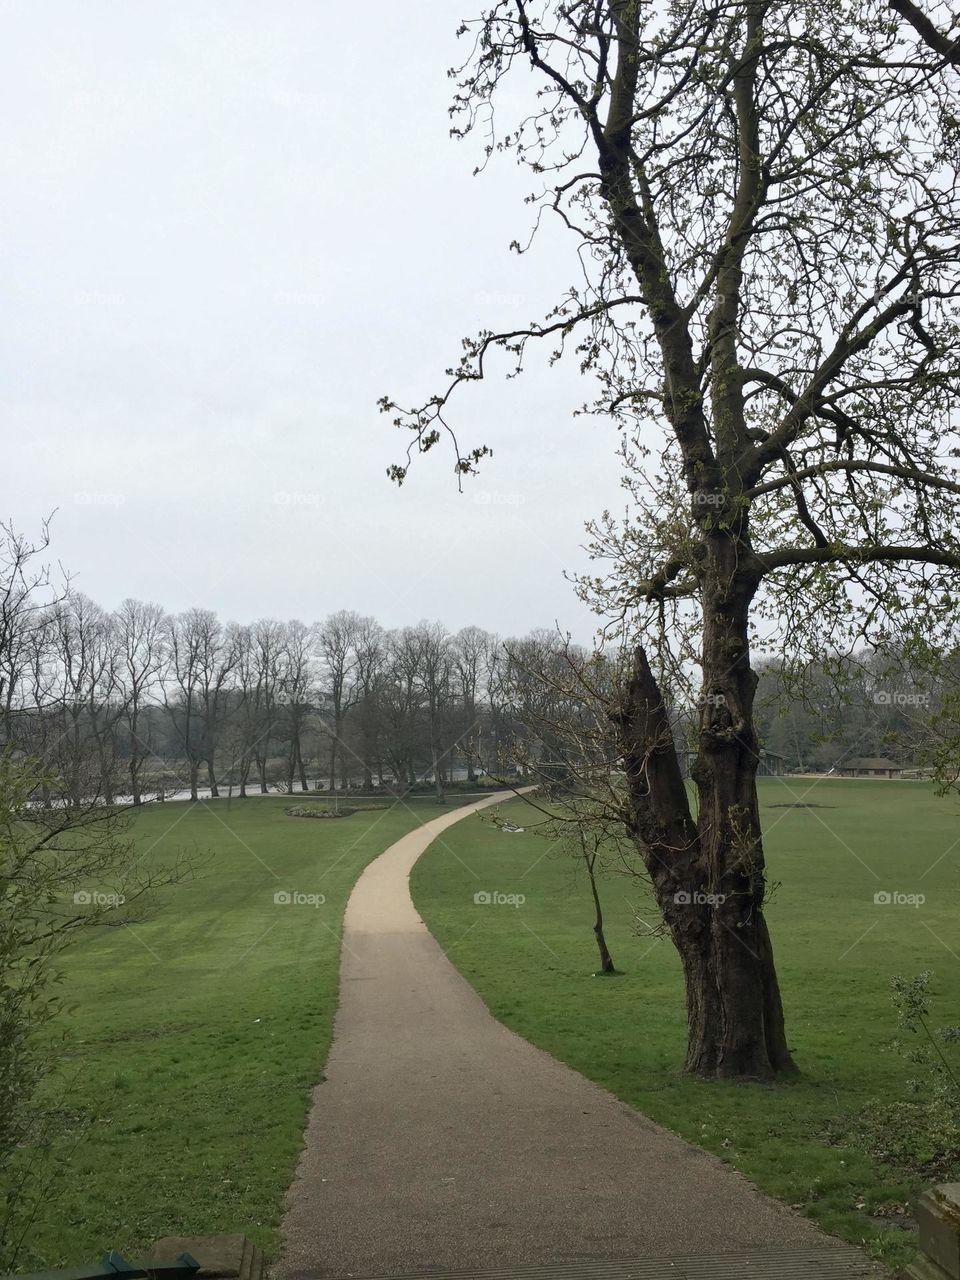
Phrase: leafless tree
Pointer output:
(81, 692)
(337, 639)
(470, 649)
(401, 700)
(26, 594)
(371, 652)
(435, 670)
(203, 656)
(256, 709)
(138, 635)
(563, 739)
(297, 683)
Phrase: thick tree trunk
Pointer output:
(194, 779)
(708, 875)
(212, 779)
(735, 1014)
(735, 1023)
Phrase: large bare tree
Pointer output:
(203, 657)
(401, 705)
(26, 595)
(371, 651)
(81, 669)
(435, 671)
(258, 713)
(766, 206)
(138, 636)
(470, 651)
(337, 639)
(297, 682)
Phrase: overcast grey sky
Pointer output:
(228, 228)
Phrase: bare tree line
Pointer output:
(138, 701)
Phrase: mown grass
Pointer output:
(196, 1035)
(836, 953)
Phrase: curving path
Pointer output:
(439, 1139)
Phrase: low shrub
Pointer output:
(919, 1134)
(314, 811)
(324, 811)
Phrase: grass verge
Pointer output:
(831, 845)
(197, 1034)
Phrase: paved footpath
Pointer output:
(438, 1139)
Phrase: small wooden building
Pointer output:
(869, 767)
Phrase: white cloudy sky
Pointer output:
(228, 229)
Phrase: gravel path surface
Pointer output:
(439, 1139)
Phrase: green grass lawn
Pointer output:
(836, 952)
(197, 1034)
